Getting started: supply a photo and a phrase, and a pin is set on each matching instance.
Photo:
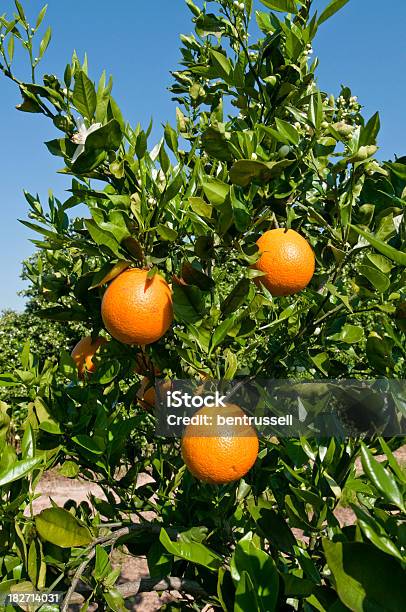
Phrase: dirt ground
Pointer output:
(60, 489)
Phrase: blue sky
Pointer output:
(137, 42)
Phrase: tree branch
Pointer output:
(109, 540)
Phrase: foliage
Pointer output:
(192, 208)
(25, 331)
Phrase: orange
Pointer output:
(137, 309)
(84, 352)
(146, 394)
(287, 259)
(219, 454)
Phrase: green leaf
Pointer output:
(215, 191)
(173, 188)
(188, 303)
(114, 600)
(10, 48)
(193, 276)
(379, 261)
(207, 24)
(20, 10)
(215, 144)
(274, 527)
(375, 533)
(67, 75)
(164, 159)
(222, 63)
(321, 361)
(36, 564)
(29, 103)
(25, 355)
(171, 138)
(242, 217)
(200, 207)
(195, 10)
(108, 273)
(370, 131)
(194, 552)
(45, 42)
(221, 332)
(166, 232)
(288, 131)
(362, 574)
(331, 9)
(261, 570)
(102, 237)
(41, 230)
(283, 6)
(19, 469)
(159, 561)
(50, 427)
(225, 218)
(387, 250)
(88, 161)
(378, 279)
(107, 371)
(84, 95)
(348, 334)
(245, 595)
(263, 21)
(237, 297)
(4, 426)
(316, 110)
(362, 154)
(60, 147)
(69, 469)
(94, 444)
(106, 138)
(381, 478)
(398, 169)
(60, 527)
(141, 145)
(231, 364)
(134, 247)
(244, 171)
(28, 444)
(41, 16)
(396, 468)
(297, 587)
(102, 564)
(379, 353)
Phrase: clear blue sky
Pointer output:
(137, 42)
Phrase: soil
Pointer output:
(61, 489)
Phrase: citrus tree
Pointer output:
(24, 331)
(259, 238)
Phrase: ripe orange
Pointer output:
(288, 260)
(84, 352)
(219, 454)
(136, 309)
(146, 394)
